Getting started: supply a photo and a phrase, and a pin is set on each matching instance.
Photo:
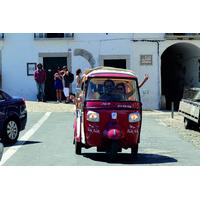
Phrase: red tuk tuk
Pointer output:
(109, 112)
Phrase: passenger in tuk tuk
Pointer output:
(109, 87)
(110, 92)
(121, 90)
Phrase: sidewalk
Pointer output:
(53, 106)
(34, 106)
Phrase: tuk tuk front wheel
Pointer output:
(112, 150)
(77, 148)
(134, 151)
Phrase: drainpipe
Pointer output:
(158, 61)
(159, 72)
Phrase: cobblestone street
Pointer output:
(192, 136)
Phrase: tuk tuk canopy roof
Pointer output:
(110, 72)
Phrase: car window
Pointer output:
(4, 96)
(1, 97)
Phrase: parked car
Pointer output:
(13, 117)
(189, 108)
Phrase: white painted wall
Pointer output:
(150, 92)
(116, 47)
(102, 36)
(149, 36)
(19, 49)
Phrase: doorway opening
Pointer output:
(179, 70)
(51, 65)
(118, 63)
(55, 35)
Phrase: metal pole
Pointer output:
(172, 108)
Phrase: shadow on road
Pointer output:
(23, 142)
(125, 158)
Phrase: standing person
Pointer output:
(58, 85)
(78, 78)
(40, 78)
(68, 78)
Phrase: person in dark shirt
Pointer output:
(40, 78)
(68, 78)
(109, 87)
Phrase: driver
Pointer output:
(109, 86)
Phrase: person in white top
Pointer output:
(78, 78)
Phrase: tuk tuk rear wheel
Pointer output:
(77, 148)
(134, 151)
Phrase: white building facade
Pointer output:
(170, 60)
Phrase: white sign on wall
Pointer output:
(146, 59)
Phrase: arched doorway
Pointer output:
(85, 54)
(179, 70)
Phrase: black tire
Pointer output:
(134, 151)
(10, 132)
(112, 150)
(78, 148)
(188, 124)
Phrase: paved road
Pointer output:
(49, 143)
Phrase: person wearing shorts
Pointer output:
(66, 93)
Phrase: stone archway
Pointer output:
(179, 70)
(85, 54)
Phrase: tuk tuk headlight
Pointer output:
(134, 117)
(92, 116)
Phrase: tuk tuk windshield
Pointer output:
(106, 89)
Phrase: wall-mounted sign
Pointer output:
(146, 59)
(31, 67)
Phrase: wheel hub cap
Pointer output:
(12, 130)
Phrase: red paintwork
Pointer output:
(126, 133)
(115, 105)
(99, 133)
